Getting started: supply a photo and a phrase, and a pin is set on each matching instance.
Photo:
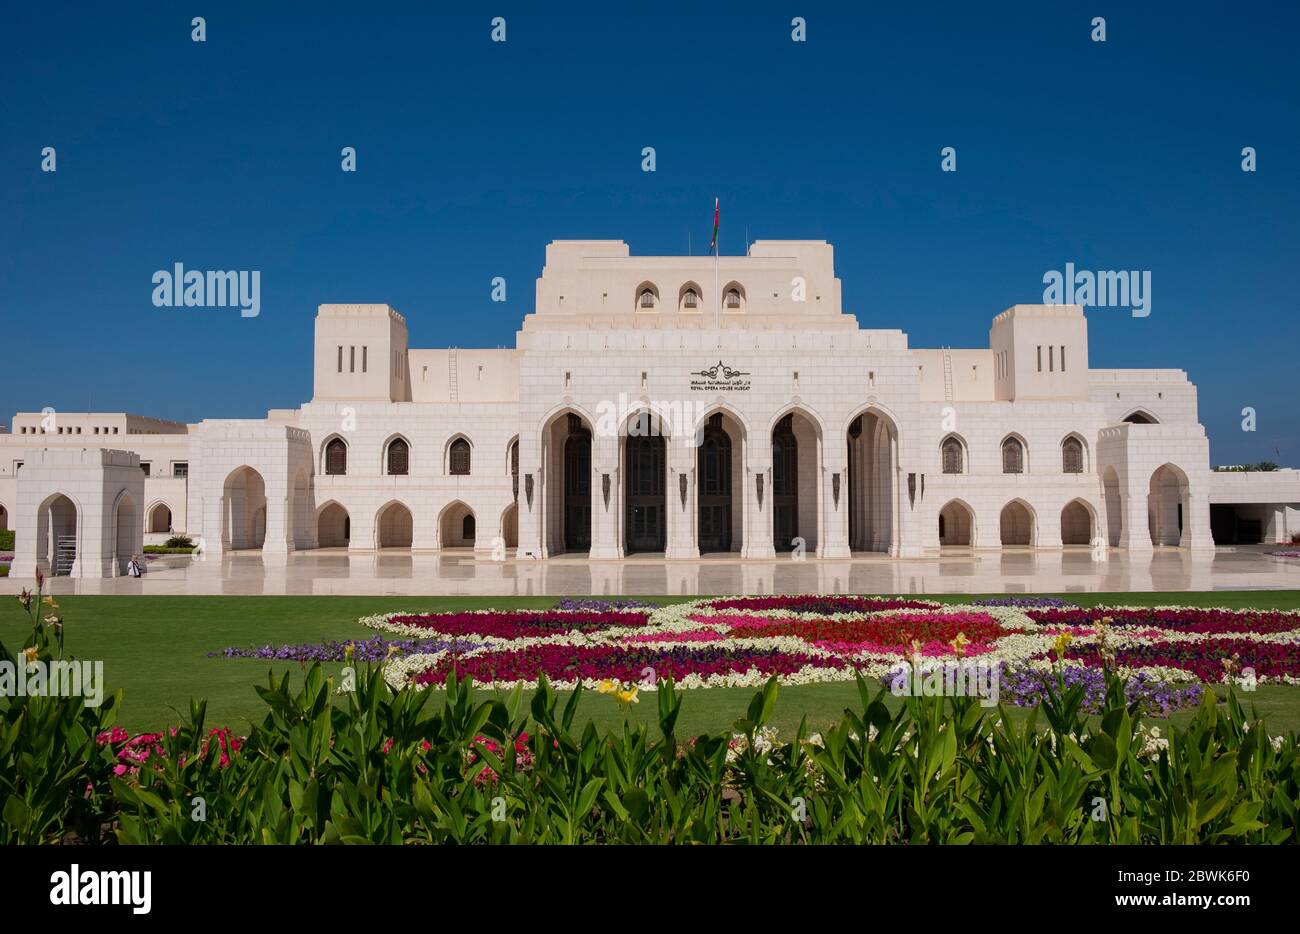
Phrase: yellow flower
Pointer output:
(32, 654)
(627, 697)
(49, 601)
(1062, 643)
(916, 646)
(349, 650)
(607, 687)
(959, 644)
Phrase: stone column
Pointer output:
(1136, 534)
(758, 511)
(833, 540)
(606, 517)
(683, 519)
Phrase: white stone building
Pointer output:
(663, 405)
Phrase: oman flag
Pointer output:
(713, 244)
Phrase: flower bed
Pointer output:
(494, 625)
(690, 666)
(1164, 652)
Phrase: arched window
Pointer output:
(952, 455)
(467, 528)
(691, 299)
(336, 458)
(1140, 418)
(458, 458)
(733, 299)
(1072, 455)
(647, 299)
(1013, 456)
(399, 458)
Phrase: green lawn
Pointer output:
(155, 649)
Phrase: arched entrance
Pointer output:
(795, 439)
(58, 535)
(956, 524)
(127, 532)
(4, 518)
(243, 509)
(1076, 524)
(510, 526)
(1114, 506)
(394, 526)
(872, 481)
(457, 527)
(333, 526)
(160, 519)
(566, 459)
(645, 466)
(1167, 504)
(718, 472)
(1016, 524)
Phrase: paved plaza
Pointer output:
(330, 571)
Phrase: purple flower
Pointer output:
(376, 649)
(1026, 602)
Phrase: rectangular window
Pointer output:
(180, 469)
(146, 467)
(1051, 359)
(340, 358)
(1062, 358)
(352, 359)
(1040, 358)
(364, 357)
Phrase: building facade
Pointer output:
(673, 406)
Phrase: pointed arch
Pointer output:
(690, 299)
(647, 298)
(457, 525)
(872, 437)
(333, 525)
(333, 456)
(1140, 416)
(1014, 452)
(510, 526)
(398, 455)
(956, 524)
(954, 456)
(1018, 524)
(1074, 453)
(1078, 522)
(158, 517)
(457, 455)
(733, 298)
(243, 509)
(394, 525)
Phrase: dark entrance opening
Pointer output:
(577, 486)
(785, 485)
(713, 467)
(645, 519)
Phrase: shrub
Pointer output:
(381, 767)
(6, 540)
(183, 542)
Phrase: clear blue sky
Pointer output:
(472, 155)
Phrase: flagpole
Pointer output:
(717, 295)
